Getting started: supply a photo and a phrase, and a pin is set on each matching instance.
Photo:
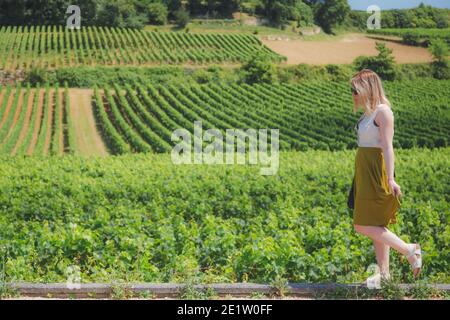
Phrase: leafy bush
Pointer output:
(182, 17)
(383, 64)
(440, 51)
(258, 69)
(38, 76)
(157, 13)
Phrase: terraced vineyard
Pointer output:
(141, 118)
(415, 34)
(51, 47)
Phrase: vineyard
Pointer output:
(140, 218)
(416, 34)
(88, 180)
(52, 47)
(141, 117)
(34, 121)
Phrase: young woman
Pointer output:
(376, 193)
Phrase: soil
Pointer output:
(37, 126)
(19, 108)
(87, 136)
(343, 50)
(26, 122)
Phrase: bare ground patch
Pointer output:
(33, 95)
(343, 50)
(87, 136)
(18, 110)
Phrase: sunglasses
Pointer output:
(354, 91)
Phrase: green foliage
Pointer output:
(416, 36)
(332, 13)
(157, 13)
(279, 13)
(293, 110)
(440, 51)
(383, 64)
(119, 13)
(258, 69)
(391, 290)
(182, 17)
(50, 47)
(302, 14)
(38, 76)
(212, 223)
(141, 115)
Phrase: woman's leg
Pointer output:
(383, 235)
(382, 254)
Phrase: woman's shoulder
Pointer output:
(384, 113)
(384, 109)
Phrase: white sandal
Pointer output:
(417, 264)
(374, 282)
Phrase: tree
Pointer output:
(20, 12)
(302, 13)
(383, 64)
(195, 7)
(279, 12)
(258, 69)
(182, 17)
(440, 51)
(441, 19)
(332, 13)
(157, 13)
(119, 13)
(173, 6)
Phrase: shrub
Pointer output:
(157, 13)
(258, 69)
(182, 17)
(38, 76)
(383, 64)
(440, 51)
(338, 72)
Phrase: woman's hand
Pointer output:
(394, 188)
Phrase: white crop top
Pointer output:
(368, 132)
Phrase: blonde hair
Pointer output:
(370, 91)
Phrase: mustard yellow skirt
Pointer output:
(374, 205)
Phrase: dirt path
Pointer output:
(48, 134)
(27, 120)
(37, 126)
(87, 136)
(11, 98)
(19, 109)
(343, 50)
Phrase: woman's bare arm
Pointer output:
(385, 119)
